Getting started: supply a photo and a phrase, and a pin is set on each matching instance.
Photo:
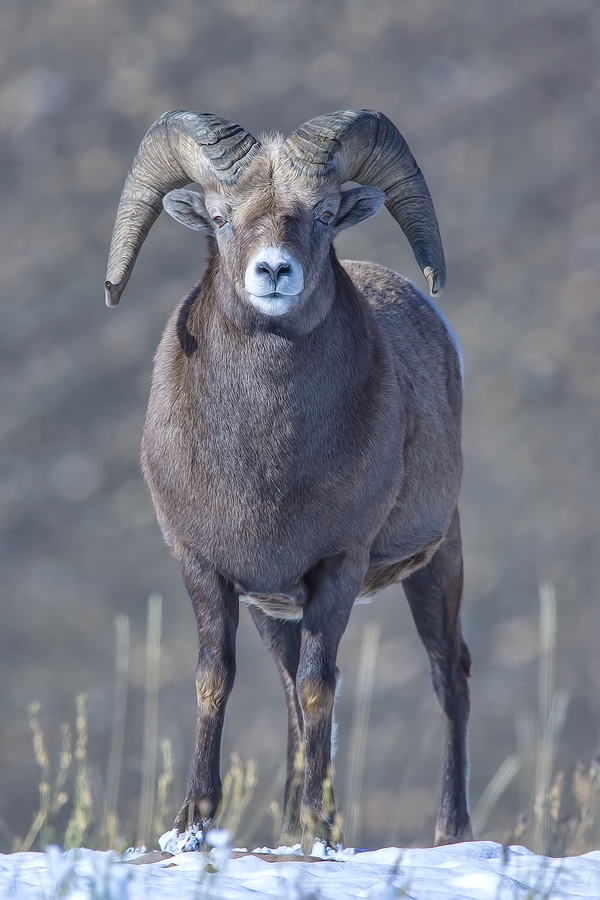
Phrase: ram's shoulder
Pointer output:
(380, 286)
(402, 309)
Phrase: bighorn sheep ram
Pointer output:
(302, 443)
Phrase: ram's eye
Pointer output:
(219, 221)
(326, 217)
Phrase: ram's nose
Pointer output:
(274, 270)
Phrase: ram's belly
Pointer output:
(278, 606)
(267, 555)
(381, 574)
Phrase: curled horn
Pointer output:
(178, 148)
(364, 146)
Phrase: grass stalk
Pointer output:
(358, 736)
(164, 784)
(109, 833)
(265, 807)
(82, 804)
(153, 633)
(585, 785)
(238, 787)
(552, 712)
(277, 816)
(41, 757)
(493, 792)
(9, 836)
(52, 798)
(545, 692)
(526, 733)
(595, 812)
(595, 803)
(396, 815)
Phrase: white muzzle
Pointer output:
(273, 280)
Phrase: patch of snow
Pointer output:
(188, 842)
(282, 850)
(474, 871)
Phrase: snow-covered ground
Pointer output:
(480, 870)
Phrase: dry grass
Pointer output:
(153, 632)
(547, 825)
(493, 792)
(81, 815)
(554, 821)
(268, 805)
(163, 787)
(358, 735)
(84, 824)
(238, 788)
(52, 794)
(571, 822)
(109, 833)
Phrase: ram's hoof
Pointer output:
(315, 828)
(192, 822)
(445, 835)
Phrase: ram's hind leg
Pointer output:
(282, 639)
(434, 594)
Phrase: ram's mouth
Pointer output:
(276, 304)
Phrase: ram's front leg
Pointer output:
(216, 606)
(333, 587)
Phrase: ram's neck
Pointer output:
(262, 365)
(222, 296)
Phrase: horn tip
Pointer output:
(436, 284)
(112, 294)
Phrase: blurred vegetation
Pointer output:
(549, 826)
(499, 102)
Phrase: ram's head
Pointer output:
(273, 206)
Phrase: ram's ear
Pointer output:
(188, 208)
(358, 204)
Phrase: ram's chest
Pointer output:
(265, 463)
(238, 488)
(261, 496)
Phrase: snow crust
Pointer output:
(480, 870)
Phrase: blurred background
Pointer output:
(499, 103)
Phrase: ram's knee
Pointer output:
(316, 696)
(213, 686)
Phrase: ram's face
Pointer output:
(274, 227)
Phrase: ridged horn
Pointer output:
(178, 148)
(365, 146)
